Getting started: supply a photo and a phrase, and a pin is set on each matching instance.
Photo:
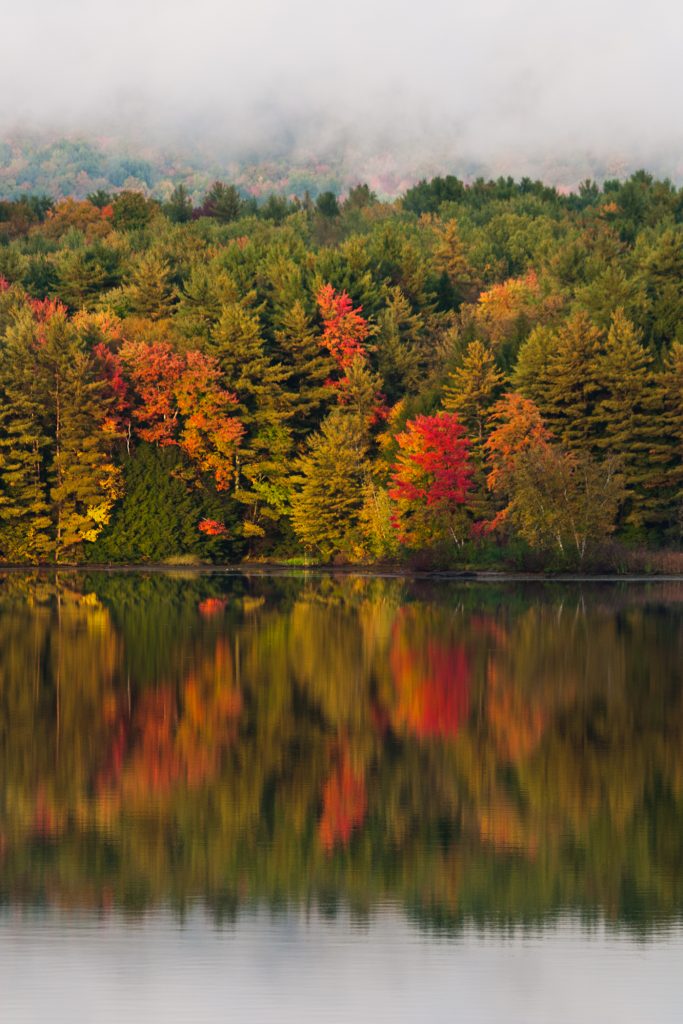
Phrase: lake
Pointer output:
(308, 797)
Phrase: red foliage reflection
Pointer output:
(431, 680)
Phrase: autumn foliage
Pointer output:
(431, 478)
(460, 378)
(344, 803)
(345, 331)
(431, 680)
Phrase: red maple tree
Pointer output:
(432, 476)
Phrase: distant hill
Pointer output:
(79, 165)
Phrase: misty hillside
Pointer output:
(77, 166)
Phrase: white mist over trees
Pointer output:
(507, 87)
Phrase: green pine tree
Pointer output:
(264, 409)
(150, 293)
(627, 422)
(328, 504)
(530, 375)
(84, 482)
(671, 384)
(159, 515)
(25, 524)
(398, 343)
(205, 292)
(473, 388)
(80, 279)
(572, 388)
(238, 343)
(179, 207)
(308, 366)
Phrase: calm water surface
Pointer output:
(232, 798)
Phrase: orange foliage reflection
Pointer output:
(174, 737)
(516, 721)
(431, 680)
(344, 804)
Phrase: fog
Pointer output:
(507, 87)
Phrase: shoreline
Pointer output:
(376, 572)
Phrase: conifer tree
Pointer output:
(327, 507)
(671, 385)
(283, 284)
(159, 515)
(627, 421)
(179, 207)
(149, 293)
(238, 344)
(204, 294)
(25, 525)
(263, 456)
(223, 203)
(84, 482)
(80, 279)
(359, 393)
(457, 278)
(308, 367)
(399, 343)
(572, 387)
(473, 388)
(530, 375)
(663, 279)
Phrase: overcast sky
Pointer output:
(505, 81)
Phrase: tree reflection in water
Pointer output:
(497, 753)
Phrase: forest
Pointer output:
(484, 374)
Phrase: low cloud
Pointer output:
(521, 88)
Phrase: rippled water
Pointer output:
(229, 797)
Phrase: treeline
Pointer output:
(498, 755)
(59, 167)
(470, 374)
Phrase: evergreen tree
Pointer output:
(84, 482)
(179, 207)
(25, 524)
(359, 394)
(327, 507)
(238, 343)
(201, 299)
(627, 421)
(530, 375)
(264, 410)
(132, 211)
(308, 366)
(457, 279)
(662, 276)
(399, 344)
(572, 387)
(283, 285)
(473, 388)
(223, 203)
(264, 482)
(160, 514)
(671, 384)
(610, 290)
(80, 279)
(327, 205)
(149, 293)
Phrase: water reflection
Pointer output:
(488, 754)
